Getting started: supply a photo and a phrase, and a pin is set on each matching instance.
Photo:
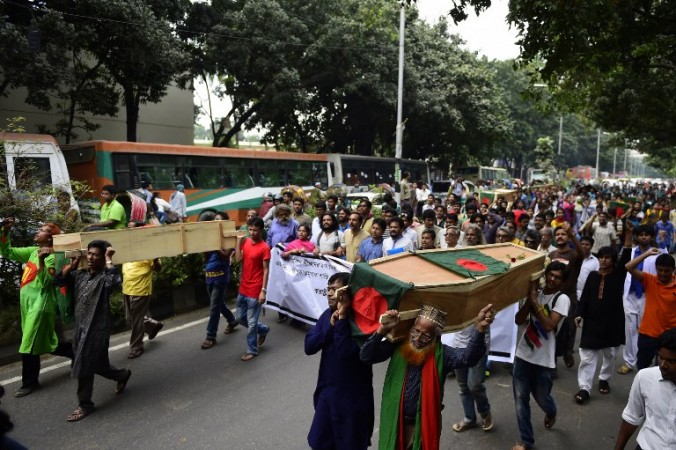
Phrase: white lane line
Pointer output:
(110, 349)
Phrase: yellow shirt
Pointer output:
(352, 243)
(137, 278)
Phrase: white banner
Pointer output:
(503, 335)
(297, 286)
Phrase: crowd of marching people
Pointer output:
(608, 273)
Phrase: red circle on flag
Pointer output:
(470, 264)
(368, 305)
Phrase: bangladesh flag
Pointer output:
(468, 263)
(373, 293)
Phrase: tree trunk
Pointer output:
(132, 113)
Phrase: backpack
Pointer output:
(563, 333)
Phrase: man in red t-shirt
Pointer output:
(255, 256)
(660, 303)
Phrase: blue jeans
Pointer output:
(472, 389)
(217, 293)
(248, 310)
(531, 379)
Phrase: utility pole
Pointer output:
(561, 132)
(598, 151)
(400, 93)
(614, 160)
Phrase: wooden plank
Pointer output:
(138, 244)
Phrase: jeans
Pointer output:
(531, 379)
(647, 350)
(248, 310)
(217, 293)
(472, 389)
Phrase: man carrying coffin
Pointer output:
(410, 413)
(343, 399)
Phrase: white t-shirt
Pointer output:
(403, 243)
(536, 345)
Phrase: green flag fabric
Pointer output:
(373, 293)
(467, 262)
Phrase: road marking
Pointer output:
(110, 349)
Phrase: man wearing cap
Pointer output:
(178, 203)
(410, 413)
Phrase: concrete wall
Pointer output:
(170, 121)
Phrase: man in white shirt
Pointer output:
(633, 299)
(601, 231)
(397, 242)
(543, 314)
(178, 203)
(590, 263)
(651, 402)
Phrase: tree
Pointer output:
(138, 47)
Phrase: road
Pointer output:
(180, 396)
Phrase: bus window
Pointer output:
(124, 178)
(272, 173)
(163, 171)
(238, 173)
(203, 172)
(37, 169)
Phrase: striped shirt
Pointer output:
(652, 402)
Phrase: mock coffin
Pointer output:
(137, 244)
(457, 281)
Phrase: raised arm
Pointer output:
(632, 266)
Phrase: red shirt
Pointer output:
(660, 306)
(253, 256)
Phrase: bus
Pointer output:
(354, 170)
(222, 179)
(476, 173)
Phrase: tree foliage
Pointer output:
(85, 51)
(615, 62)
(323, 77)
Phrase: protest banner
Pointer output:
(503, 336)
(297, 285)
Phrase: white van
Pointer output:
(37, 151)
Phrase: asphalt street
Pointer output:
(180, 396)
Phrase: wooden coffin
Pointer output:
(462, 297)
(138, 244)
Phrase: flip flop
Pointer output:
(604, 387)
(463, 426)
(79, 414)
(247, 356)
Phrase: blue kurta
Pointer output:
(343, 399)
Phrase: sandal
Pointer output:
(135, 354)
(248, 356)
(79, 414)
(208, 343)
(261, 339)
(519, 447)
(582, 396)
(121, 385)
(550, 421)
(463, 426)
(230, 328)
(569, 360)
(604, 387)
